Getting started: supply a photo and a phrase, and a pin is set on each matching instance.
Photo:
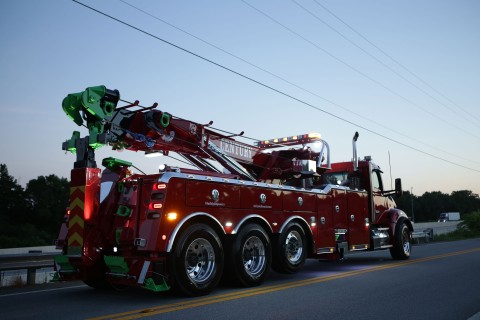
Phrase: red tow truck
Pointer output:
(243, 210)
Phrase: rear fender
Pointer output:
(193, 218)
(253, 218)
(306, 228)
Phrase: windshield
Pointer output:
(336, 178)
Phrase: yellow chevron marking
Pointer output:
(75, 238)
(73, 189)
(75, 220)
(76, 203)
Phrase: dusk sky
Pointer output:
(404, 74)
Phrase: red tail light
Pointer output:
(160, 186)
(156, 206)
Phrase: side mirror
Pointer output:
(398, 187)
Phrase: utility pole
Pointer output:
(411, 197)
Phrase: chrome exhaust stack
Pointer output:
(355, 157)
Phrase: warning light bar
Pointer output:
(289, 141)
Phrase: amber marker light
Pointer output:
(171, 216)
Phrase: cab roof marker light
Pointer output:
(291, 140)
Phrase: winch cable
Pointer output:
(274, 89)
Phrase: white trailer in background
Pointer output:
(449, 216)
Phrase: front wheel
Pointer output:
(197, 265)
(402, 247)
(251, 255)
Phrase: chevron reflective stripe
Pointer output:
(76, 221)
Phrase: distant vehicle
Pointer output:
(449, 216)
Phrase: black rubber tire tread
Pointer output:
(280, 262)
(95, 276)
(397, 251)
(178, 276)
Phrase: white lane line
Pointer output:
(37, 291)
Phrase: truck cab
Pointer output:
(365, 176)
(384, 224)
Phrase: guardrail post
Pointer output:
(428, 234)
(31, 276)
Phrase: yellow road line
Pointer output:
(198, 302)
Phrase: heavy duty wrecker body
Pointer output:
(184, 229)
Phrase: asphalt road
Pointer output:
(440, 281)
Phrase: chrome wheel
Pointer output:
(250, 256)
(200, 261)
(294, 247)
(290, 249)
(253, 253)
(402, 248)
(406, 242)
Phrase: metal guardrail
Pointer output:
(423, 236)
(31, 262)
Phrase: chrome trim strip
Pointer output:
(181, 223)
(250, 216)
(297, 217)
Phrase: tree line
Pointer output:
(32, 216)
(427, 207)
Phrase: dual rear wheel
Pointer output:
(250, 257)
(198, 261)
(290, 249)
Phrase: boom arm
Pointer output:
(137, 128)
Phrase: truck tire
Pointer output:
(197, 263)
(95, 276)
(251, 256)
(290, 250)
(402, 247)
